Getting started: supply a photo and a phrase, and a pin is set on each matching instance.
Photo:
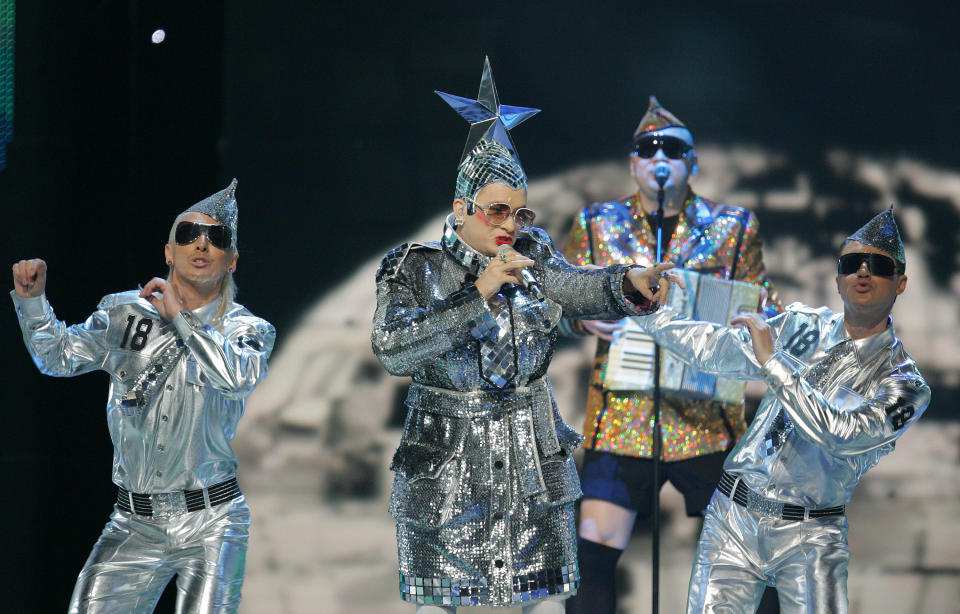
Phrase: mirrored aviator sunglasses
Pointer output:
(497, 213)
(672, 147)
(218, 235)
(877, 264)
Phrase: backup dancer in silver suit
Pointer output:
(841, 391)
(484, 481)
(182, 357)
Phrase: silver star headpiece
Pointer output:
(489, 120)
(221, 206)
(882, 233)
(489, 154)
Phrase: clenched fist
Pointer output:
(30, 277)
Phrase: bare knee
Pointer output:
(606, 523)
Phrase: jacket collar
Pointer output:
(454, 245)
(867, 347)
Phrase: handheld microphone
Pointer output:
(527, 280)
(661, 173)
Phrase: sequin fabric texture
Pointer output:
(484, 480)
(705, 240)
(221, 206)
(882, 232)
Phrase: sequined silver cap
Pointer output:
(882, 233)
(489, 154)
(221, 206)
(489, 162)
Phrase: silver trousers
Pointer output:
(741, 551)
(137, 556)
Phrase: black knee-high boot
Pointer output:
(598, 591)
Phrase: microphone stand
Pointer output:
(657, 436)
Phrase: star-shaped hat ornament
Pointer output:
(488, 118)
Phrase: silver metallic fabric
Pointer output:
(741, 552)
(484, 483)
(834, 406)
(136, 557)
(177, 391)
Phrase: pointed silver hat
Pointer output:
(221, 206)
(882, 233)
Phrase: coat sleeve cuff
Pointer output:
(186, 323)
(633, 304)
(33, 307)
(481, 325)
(779, 371)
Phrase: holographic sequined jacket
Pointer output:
(177, 389)
(484, 482)
(710, 238)
(833, 407)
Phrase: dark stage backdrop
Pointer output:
(325, 113)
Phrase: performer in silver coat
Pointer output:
(842, 389)
(484, 481)
(182, 357)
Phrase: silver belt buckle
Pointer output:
(762, 505)
(168, 504)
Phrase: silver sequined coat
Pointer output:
(484, 482)
(177, 389)
(834, 405)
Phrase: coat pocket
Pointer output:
(560, 477)
(427, 476)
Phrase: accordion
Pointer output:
(706, 298)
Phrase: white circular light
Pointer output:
(158, 36)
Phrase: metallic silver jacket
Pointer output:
(177, 389)
(484, 481)
(820, 427)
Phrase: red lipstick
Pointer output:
(504, 240)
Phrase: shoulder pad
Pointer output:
(537, 234)
(123, 298)
(742, 214)
(237, 314)
(800, 308)
(607, 210)
(391, 262)
(601, 207)
(237, 310)
(730, 210)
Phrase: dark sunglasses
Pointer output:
(188, 232)
(497, 213)
(877, 264)
(672, 147)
